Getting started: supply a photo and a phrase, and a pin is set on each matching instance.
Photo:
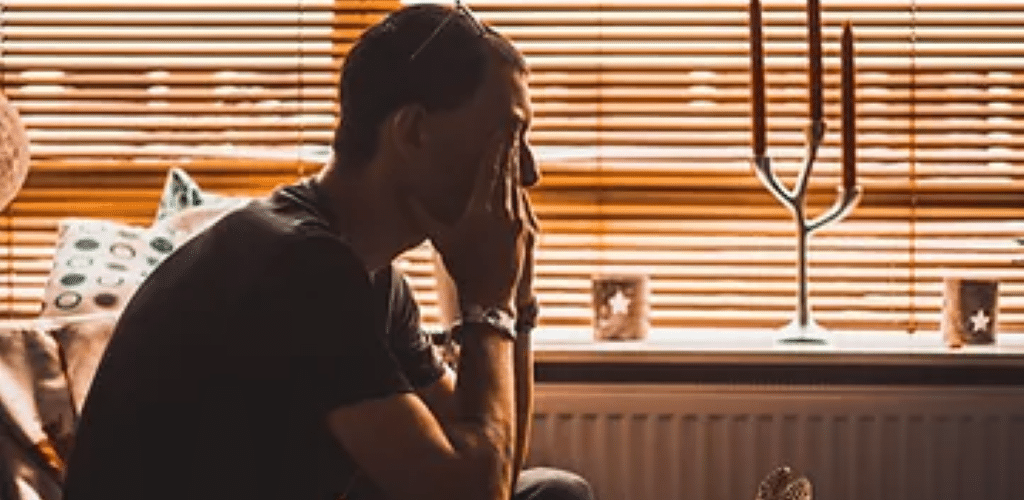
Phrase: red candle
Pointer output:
(849, 110)
(757, 79)
(814, 54)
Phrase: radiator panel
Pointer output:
(656, 442)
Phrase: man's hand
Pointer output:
(485, 249)
(526, 298)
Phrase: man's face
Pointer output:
(460, 140)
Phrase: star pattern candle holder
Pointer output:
(620, 306)
(970, 310)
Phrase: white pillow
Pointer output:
(181, 192)
(186, 210)
(184, 225)
(98, 265)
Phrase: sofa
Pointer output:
(47, 363)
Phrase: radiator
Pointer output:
(676, 442)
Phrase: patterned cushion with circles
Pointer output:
(98, 265)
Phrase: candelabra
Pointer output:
(803, 329)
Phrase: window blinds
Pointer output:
(642, 128)
(241, 94)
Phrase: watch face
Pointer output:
(500, 318)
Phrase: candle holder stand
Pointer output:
(803, 330)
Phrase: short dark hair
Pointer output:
(379, 76)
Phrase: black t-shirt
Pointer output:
(221, 371)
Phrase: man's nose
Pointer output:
(529, 175)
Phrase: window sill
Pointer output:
(752, 356)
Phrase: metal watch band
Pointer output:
(493, 316)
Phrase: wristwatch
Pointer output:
(526, 316)
(493, 316)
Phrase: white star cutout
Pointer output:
(619, 303)
(979, 321)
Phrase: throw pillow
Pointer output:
(22, 477)
(185, 209)
(50, 386)
(17, 388)
(99, 264)
(181, 192)
(82, 341)
(39, 420)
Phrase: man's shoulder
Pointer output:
(287, 213)
(254, 246)
(284, 220)
(289, 240)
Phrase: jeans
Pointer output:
(543, 483)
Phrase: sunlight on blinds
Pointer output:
(134, 80)
(241, 94)
(643, 130)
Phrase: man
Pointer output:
(278, 355)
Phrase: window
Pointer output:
(642, 127)
(241, 94)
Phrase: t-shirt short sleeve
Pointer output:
(331, 329)
(415, 353)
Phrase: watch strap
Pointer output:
(495, 317)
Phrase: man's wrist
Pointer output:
(494, 317)
(467, 304)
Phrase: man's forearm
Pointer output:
(485, 393)
(524, 399)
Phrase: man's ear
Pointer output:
(407, 130)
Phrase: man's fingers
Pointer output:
(511, 179)
(488, 176)
(529, 216)
(500, 195)
(517, 165)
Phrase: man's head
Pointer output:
(424, 89)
